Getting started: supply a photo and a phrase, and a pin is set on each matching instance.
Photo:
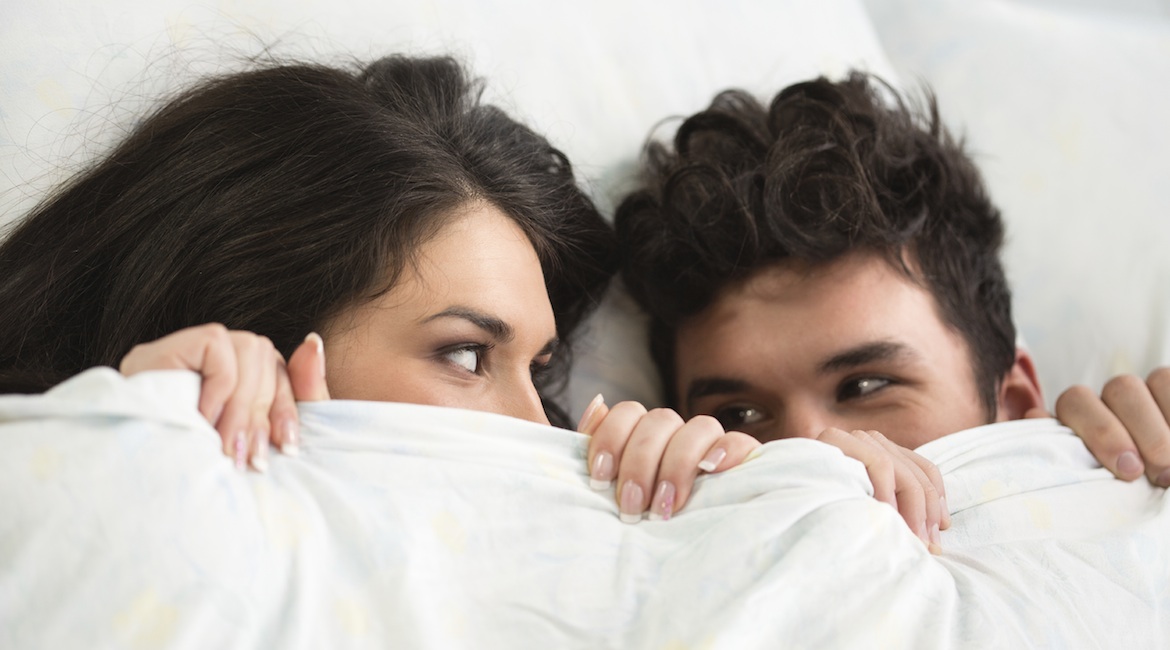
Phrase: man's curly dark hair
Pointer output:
(826, 169)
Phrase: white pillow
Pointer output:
(1065, 110)
(596, 78)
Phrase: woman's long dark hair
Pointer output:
(270, 200)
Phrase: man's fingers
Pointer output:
(1104, 434)
(1158, 383)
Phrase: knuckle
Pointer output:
(1159, 381)
(1122, 388)
(707, 423)
(1076, 395)
(665, 416)
(214, 330)
(1157, 451)
(632, 408)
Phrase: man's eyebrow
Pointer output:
(867, 353)
(497, 328)
(705, 386)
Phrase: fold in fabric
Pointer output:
(124, 525)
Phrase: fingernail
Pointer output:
(934, 549)
(1164, 478)
(663, 504)
(935, 536)
(712, 459)
(259, 462)
(291, 444)
(320, 344)
(241, 450)
(922, 534)
(1129, 466)
(586, 422)
(631, 509)
(601, 474)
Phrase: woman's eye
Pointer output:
(861, 387)
(467, 358)
(735, 417)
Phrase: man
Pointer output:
(831, 260)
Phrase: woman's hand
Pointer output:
(1128, 427)
(248, 393)
(901, 478)
(654, 455)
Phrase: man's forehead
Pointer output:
(793, 280)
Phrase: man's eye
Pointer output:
(861, 387)
(735, 417)
(468, 358)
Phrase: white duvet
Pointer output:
(122, 525)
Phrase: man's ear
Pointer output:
(1019, 392)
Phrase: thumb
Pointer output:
(306, 370)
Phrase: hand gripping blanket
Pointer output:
(122, 525)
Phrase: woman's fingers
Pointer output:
(927, 474)
(699, 446)
(922, 483)
(608, 441)
(306, 370)
(654, 455)
(248, 393)
(639, 461)
(204, 348)
(896, 480)
(244, 424)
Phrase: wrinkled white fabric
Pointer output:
(122, 525)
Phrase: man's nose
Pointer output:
(803, 420)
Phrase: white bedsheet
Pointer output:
(123, 526)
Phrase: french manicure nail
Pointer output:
(1129, 465)
(241, 449)
(663, 505)
(259, 462)
(601, 474)
(291, 444)
(320, 345)
(712, 459)
(631, 509)
(586, 422)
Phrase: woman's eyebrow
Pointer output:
(866, 353)
(496, 327)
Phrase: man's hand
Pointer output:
(1128, 427)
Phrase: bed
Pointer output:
(123, 526)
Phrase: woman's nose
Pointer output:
(525, 403)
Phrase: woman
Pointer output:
(442, 250)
